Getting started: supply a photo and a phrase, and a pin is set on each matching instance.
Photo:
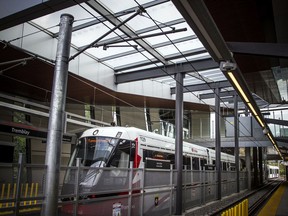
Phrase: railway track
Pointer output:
(259, 198)
(256, 200)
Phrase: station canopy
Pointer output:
(138, 39)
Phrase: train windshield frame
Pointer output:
(94, 150)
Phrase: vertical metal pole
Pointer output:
(130, 188)
(218, 141)
(204, 183)
(78, 163)
(171, 188)
(185, 186)
(18, 186)
(248, 165)
(57, 115)
(118, 116)
(143, 189)
(148, 119)
(255, 166)
(179, 141)
(260, 152)
(236, 131)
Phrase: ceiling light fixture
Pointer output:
(229, 69)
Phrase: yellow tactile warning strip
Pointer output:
(272, 205)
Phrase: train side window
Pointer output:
(187, 162)
(195, 163)
(171, 157)
(153, 154)
(203, 162)
(224, 166)
(232, 167)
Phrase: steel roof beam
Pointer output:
(264, 49)
(23, 11)
(276, 121)
(204, 86)
(167, 70)
(154, 61)
(221, 94)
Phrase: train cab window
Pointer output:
(121, 156)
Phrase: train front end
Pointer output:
(89, 184)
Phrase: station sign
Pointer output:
(27, 131)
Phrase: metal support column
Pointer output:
(260, 153)
(148, 119)
(218, 142)
(118, 116)
(236, 152)
(179, 140)
(248, 165)
(255, 167)
(57, 115)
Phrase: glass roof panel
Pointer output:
(124, 54)
(87, 35)
(129, 59)
(154, 16)
(80, 16)
(180, 47)
(117, 6)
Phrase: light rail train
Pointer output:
(273, 172)
(120, 147)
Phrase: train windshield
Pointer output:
(94, 151)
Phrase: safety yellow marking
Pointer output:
(2, 194)
(241, 209)
(272, 205)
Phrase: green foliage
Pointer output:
(19, 148)
(20, 141)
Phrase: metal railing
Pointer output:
(116, 190)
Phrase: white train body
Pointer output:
(273, 171)
(119, 148)
(149, 141)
